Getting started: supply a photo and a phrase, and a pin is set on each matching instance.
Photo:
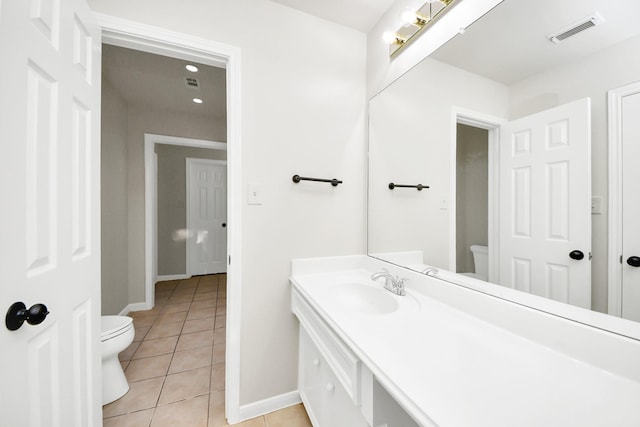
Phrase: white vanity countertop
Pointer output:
(448, 368)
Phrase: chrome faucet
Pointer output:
(391, 283)
(430, 271)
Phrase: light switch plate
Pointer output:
(254, 196)
(444, 204)
(596, 205)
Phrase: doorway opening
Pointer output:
(474, 198)
(127, 34)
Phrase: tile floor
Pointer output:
(175, 365)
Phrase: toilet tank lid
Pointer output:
(479, 248)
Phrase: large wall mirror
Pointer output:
(507, 126)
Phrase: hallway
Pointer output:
(176, 364)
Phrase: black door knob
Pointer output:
(18, 314)
(577, 255)
(633, 261)
(224, 225)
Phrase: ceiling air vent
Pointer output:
(577, 27)
(192, 83)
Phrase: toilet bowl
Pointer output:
(480, 262)
(116, 334)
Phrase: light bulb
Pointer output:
(389, 37)
(191, 68)
(198, 100)
(408, 17)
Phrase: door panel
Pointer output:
(630, 206)
(49, 180)
(206, 216)
(545, 203)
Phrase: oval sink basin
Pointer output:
(363, 298)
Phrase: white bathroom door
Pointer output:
(545, 204)
(50, 192)
(630, 207)
(206, 216)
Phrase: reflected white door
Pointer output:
(631, 207)
(206, 216)
(545, 204)
(50, 188)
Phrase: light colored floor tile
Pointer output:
(219, 336)
(254, 422)
(217, 377)
(156, 347)
(216, 409)
(199, 305)
(128, 352)
(221, 321)
(199, 314)
(185, 385)
(221, 310)
(197, 339)
(188, 283)
(166, 285)
(180, 298)
(162, 330)
(191, 359)
(219, 353)
(191, 412)
(198, 325)
(149, 367)
(141, 395)
(134, 419)
(205, 296)
(141, 322)
(124, 364)
(174, 308)
(141, 332)
(221, 302)
(293, 416)
(172, 317)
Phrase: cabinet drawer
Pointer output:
(342, 361)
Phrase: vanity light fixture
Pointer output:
(192, 68)
(413, 22)
(198, 100)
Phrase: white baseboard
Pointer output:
(172, 277)
(271, 404)
(138, 306)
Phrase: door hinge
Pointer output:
(590, 256)
(620, 259)
(229, 259)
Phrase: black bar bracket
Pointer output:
(298, 178)
(419, 187)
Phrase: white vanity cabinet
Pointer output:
(335, 386)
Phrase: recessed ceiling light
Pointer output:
(198, 100)
(191, 68)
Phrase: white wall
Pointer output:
(410, 142)
(114, 243)
(303, 111)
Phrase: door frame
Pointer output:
(146, 38)
(151, 206)
(189, 162)
(614, 111)
(492, 125)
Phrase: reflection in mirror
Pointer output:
(509, 131)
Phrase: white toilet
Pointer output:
(117, 334)
(481, 262)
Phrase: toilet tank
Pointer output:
(481, 260)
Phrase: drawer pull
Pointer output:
(330, 387)
(316, 362)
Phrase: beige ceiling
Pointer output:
(148, 80)
(510, 43)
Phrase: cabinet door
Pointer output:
(339, 410)
(310, 378)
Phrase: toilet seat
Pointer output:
(113, 326)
